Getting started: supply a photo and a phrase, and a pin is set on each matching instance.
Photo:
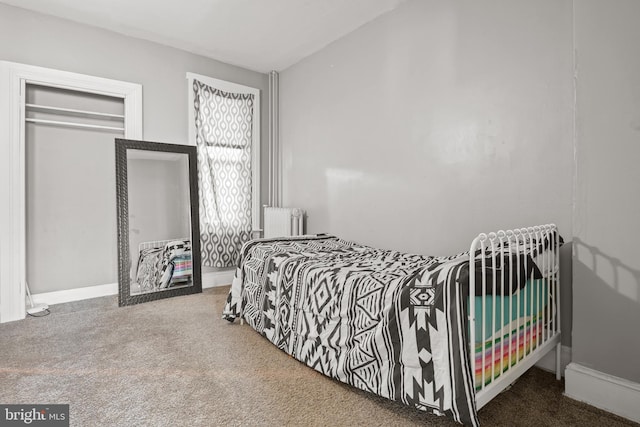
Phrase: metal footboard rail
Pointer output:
(518, 313)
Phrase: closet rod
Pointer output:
(79, 125)
(71, 110)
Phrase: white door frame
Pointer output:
(13, 79)
(255, 134)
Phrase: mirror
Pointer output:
(158, 224)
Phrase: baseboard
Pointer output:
(548, 362)
(209, 280)
(604, 391)
(217, 278)
(77, 294)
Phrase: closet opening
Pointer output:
(58, 114)
(70, 202)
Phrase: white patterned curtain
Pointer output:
(223, 136)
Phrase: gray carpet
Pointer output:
(174, 362)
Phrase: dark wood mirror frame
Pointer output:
(124, 252)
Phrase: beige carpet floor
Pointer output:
(175, 362)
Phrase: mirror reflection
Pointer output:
(157, 199)
(159, 221)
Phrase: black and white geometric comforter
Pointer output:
(383, 321)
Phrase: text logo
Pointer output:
(34, 415)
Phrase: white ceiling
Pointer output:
(261, 35)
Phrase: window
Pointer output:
(225, 126)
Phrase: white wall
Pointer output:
(433, 123)
(607, 211)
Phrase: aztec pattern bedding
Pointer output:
(390, 323)
(386, 322)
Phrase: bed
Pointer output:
(442, 334)
(163, 264)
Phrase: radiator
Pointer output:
(282, 222)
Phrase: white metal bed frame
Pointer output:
(548, 328)
(157, 243)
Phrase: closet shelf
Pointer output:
(71, 124)
(73, 111)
